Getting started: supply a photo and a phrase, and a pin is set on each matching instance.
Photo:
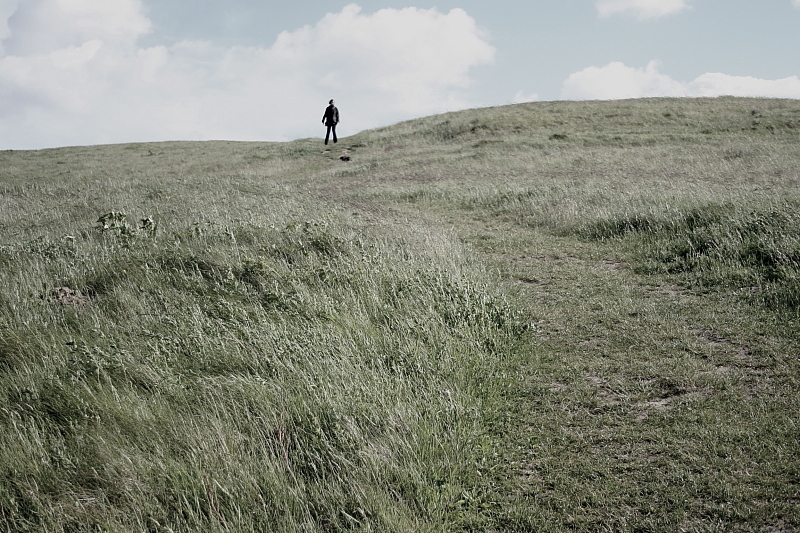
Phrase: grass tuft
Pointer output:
(754, 251)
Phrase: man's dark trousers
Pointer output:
(328, 134)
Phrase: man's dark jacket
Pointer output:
(331, 116)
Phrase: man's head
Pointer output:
(331, 102)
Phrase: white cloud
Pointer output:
(41, 26)
(641, 9)
(615, 81)
(72, 73)
(717, 84)
(796, 3)
(521, 97)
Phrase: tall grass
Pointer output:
(302, 377)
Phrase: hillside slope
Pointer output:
(543, 317)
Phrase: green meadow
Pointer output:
(564, 316)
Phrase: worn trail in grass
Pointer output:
(642, 404)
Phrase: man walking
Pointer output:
(331, 119)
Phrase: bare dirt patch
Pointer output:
(612, 265)
(668, 290)
(664, 403)
(67, 296)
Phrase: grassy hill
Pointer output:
(568, 316)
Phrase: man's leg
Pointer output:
(328, 134)
(334, 134)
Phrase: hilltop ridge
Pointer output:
(555, 316)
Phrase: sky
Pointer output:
(87, 72)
